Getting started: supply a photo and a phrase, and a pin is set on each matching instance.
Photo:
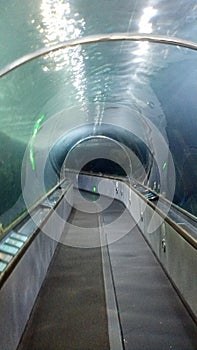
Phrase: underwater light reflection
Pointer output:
(57, 26)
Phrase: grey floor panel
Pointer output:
(70, 312)
(152, 315)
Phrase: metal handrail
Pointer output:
(21, 217)
(5, 274)
(186, 235)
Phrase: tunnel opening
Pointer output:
(104, 166)
(103, 155)
(98, 167)
(101, 167)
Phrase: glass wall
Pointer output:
(147, 89)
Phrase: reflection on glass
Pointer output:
(145, 24)
(60, 22)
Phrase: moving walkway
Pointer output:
(99, 281)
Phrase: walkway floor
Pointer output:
(71, 313)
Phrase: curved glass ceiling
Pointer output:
(27, 26)
(129, 83)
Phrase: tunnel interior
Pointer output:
(104, 155)
(141, 94)
(104, 166)
(106, 89)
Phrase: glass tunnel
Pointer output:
(105, 92)
(139, 93)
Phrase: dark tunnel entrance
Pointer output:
(104, 166)
(99, 155)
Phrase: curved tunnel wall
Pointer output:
(114, 126)
(61, 149)
(148, 109)
(49, 161)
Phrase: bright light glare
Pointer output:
(61, 23)
(145, 24)
(142, 49)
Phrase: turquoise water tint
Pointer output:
(133, 82)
